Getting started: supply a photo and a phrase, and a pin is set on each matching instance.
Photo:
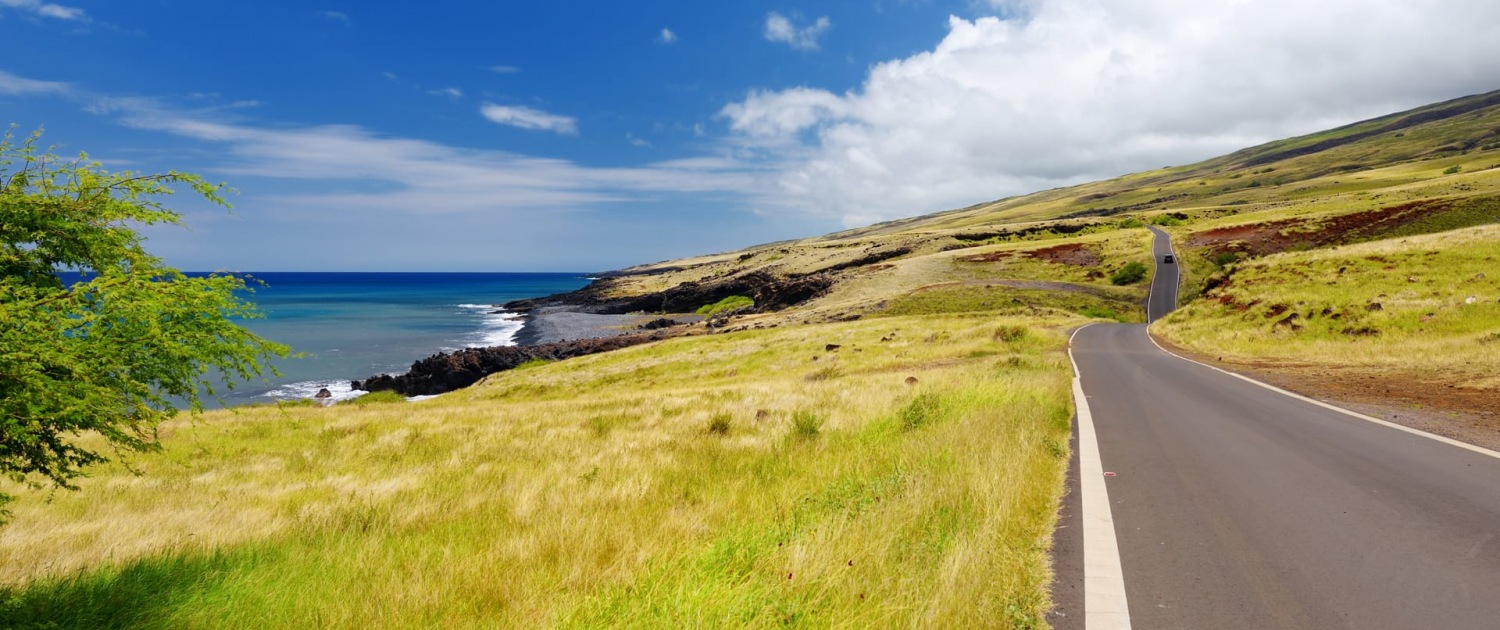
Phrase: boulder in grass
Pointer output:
(323, 393)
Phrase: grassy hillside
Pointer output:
(760, 478)
(1427, 170)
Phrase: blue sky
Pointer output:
(509, 136)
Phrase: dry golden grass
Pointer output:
(604, 490)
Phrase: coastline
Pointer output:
(555, 323)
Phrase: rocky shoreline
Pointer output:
(588, 321)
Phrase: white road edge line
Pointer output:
(1104, 604)
(1431, 436)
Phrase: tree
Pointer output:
(106, 356)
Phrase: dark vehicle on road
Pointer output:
(1167, 259)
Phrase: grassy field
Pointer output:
(1425, 307)
(909, 477)
(1001, 299)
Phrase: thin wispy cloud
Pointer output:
(12, 84)
(46, 9)
(335, 16)
(504, 69)
(667, 36)
(418, 175)
(528, 118)
(451, 92)
(780, 28)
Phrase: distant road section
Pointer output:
(1164, 282)
(1236, 506)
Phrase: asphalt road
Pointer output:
(1235, 506)
(1163, 298)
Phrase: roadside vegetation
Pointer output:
(908, 476)
(1006, 300)
(1423, 309)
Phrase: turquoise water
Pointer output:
(355, 325)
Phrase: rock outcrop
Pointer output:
(447, 371)
(770, 292)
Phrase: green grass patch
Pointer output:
(733, 302)
(1116, 304)
(374, 398)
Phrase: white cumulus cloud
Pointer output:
(780, 28)
(1065, 91)
(46, 9)
(667, 36)
(528, 118)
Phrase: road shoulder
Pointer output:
(1472, 417)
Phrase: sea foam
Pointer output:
(498, 327)
(340, 391)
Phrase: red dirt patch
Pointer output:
(990, 257)
(1067, 254)
(1260, 239)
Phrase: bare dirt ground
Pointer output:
(1260, 239)
(1067, 254)
(1420, 402)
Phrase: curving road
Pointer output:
(1234, 505)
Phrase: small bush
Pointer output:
(375, 398)
(1010, 334)
(718, 424)
(602, 426)
(806, 425)
(823, 374)
(922, 410)
(730, 303)
(1131, 222)
(1166, 220)
(1452, 169)
(532, 363)
(1224, 259)
(1131, 273)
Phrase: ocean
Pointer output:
(351, 326)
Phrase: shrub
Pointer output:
(1452, 169)
(806, 424)
(823, 374)
(1224, 259)
(1166, 220)
(1131, 222)
(1010, 334)
(733, 302)
(921, 411)
(1131, 273)
(718, 424)
(532, 363)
